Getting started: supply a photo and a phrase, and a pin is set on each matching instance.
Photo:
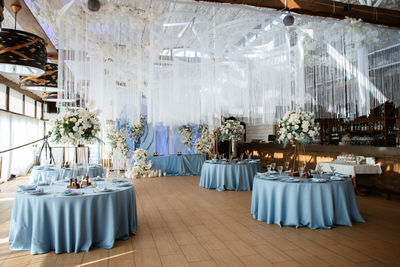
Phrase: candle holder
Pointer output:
(73, 184)
(86, 182)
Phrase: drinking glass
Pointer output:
(333, 169)
(273, 165)
(280, 169)
(249, 156)
(222, 156)
(269, 167)
(301, 170)
(241, 156)
(304, 165)
(287, 165)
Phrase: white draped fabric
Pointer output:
(196, 62)
(16, 130)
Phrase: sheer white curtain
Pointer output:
(16, 130)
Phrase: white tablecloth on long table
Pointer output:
(349, 168)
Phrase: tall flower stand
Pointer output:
(298, 148)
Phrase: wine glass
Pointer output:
(241, 156)
(249, 156)
(333, 169)
(304, 164)
(223, 156)
(273, 165)
(287, 165)
(269, 167)
(301, 170)
(280, 169)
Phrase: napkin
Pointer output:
(117, 180)
(124, 184)
(27, 187)
(336, 178)
(37, 191)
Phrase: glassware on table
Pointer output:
(280, 169)
(301, 170)
(241, 156)
(287, 165)
(333, 169)
(304, 164)
(269, 167)
(249, 156)
(273, 165)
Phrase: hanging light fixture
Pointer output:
(21, 53)
(46, 82)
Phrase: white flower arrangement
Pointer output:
(140, 155)
(231, 131)
(78, 126)
(205, 143)
(139, 169)
(297, 126)
(118, 139)
(187, 135)
(136, 130)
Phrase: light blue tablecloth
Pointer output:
(54, 172)
(316, 205)
(228, 176)
(178, 165)
(41, 223)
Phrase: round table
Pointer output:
(41, 223)
(316, 205)
(54, 172)
(229, 176)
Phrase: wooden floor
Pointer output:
(182, 224)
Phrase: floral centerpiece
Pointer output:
(118, 139)
(187, 135)
(136, 130)
(76, 126)
(232, 130)
(205, 143)
(140, 168)
(297, 128)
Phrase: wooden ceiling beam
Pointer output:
(17, 88)
(326, 8)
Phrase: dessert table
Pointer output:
(229, 176)
(74, 223)
(350, 168)
(305, 203)
(178, 165)
(55, 172)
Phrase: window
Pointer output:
(39, 110)
(16, 101)
(3, 96)
(29, 107)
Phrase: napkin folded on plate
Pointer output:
(98, 178)
(70, 192)
(104, 189)
(124, 184)
(33, 192)
(117, 180)
(336, 178)
(27, 187)
(319, 180)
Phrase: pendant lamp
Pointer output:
(46, 82)
(21, 53)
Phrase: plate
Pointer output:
(27, 187)
(335, 178)
(104, 190)
(319, 180)
(124, 184)
(118, 181)
(36, 192)
(71, 193)
(269, 177)
(291, 180)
